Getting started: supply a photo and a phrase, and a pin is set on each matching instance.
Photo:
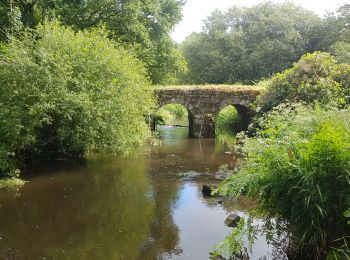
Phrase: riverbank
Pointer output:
(11, 183)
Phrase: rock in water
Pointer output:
(206, 191)
(191, 175)
(232, 220)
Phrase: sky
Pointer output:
(195, 11)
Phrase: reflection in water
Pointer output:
(120, 208)
(224, 138)
(171, 134)
(81, 214)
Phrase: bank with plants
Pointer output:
(69, 94)
(297, 162)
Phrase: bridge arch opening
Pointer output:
(232, 119)
(174, 115)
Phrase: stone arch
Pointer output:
(204, 103)
(190, 116)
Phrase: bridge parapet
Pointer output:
(205, 102)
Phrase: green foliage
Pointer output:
(233, 243)
(163, 116)
(315, 77)
(66, 93)
(11, 183)
(10, 20)
(226, 120)
(342, 251)
(341, 50)
(142, 25)
(206, 64)
(172, 114)
(246, 44)
(298, 168)
(179, 111)
(343, 18)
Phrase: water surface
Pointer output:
(122, 208)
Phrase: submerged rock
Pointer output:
(232, 220)
(223, 172)
(190, 175)
(221, 175)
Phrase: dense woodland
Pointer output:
(248, 44)
(141, 25)
(76, 80)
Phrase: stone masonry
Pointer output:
(204, 104)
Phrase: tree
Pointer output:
(341, 50)
(66, 93)
(206, 63)
(336, 35)
(10, 19)
(143, 25)
(343, 14)
(246, 44)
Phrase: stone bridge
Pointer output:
(205, 102)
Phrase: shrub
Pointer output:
(315, 77)
(298, 168)
(66, 93)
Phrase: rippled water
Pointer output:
(122, 208)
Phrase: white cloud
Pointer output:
(195, 11)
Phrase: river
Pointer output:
(135, 207)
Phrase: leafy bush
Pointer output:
(298, 168)
(69, 94)
(315, 77)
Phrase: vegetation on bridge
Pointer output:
(213, 87)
